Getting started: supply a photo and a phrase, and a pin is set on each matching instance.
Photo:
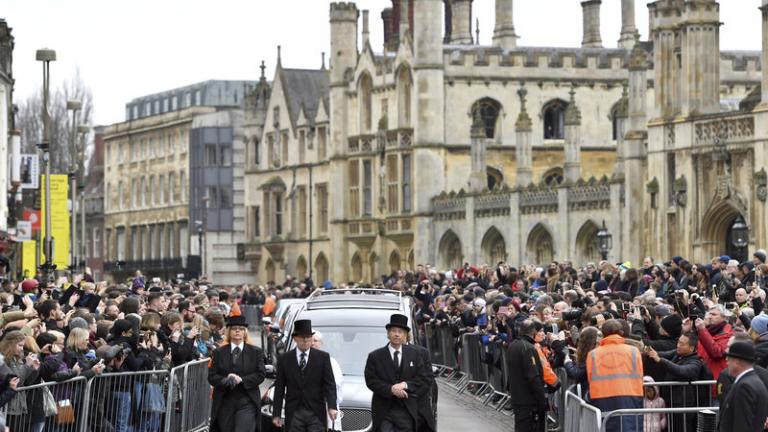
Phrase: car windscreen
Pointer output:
(350, 345)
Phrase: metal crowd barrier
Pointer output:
(630, 420)
(579, 415)
(48, 406)
(146, 401)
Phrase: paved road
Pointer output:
(463, 413)
(456, 413)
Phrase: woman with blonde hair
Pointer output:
(78, 352)
(25, 368)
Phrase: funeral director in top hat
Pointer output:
(235, 372)
(305, 380)
(398, 377)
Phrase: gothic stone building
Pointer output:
(439, 150)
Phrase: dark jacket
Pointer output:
(381, 375)
(526, 376)
(683, 368)
(252, 374)
(429, 398)
(577, 372)
(746, 406)
(315, 388)
(761, 353)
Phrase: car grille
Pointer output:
(356, 419)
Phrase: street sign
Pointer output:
(23, 230)
(30, 171)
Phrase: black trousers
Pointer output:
(528, 419)
(398, 419)
(305, 420)
(238, 414)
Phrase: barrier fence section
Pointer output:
(468, 365)
(146, 401)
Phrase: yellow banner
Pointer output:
(28, 263)
(59, 220)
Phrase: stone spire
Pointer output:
(628, 29)
(638, 85)
(591, 19)
(366, 29)
(764, 10)
(504, 31)
(405, 27)
(478, 179)
(523, 143)
(700, 54)
(572, 140)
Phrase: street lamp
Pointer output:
(46, 56)
(74, 106)
(199, 226)
(604, 241)
(83, 131)
(739, 233)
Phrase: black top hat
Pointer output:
(302, 328)
(742, 350)
(236, 321)
(398, 320)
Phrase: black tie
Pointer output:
(235, 354)
(303, 361)
(396, 361)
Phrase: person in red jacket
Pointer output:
(714, 333)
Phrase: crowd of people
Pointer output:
(81, 328)
(676, 321)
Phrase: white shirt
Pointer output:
(392, 354)
(298, 357)
(338, 376)
(233, 346)
(742, 374)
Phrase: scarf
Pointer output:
(715, 329)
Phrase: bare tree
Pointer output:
(30, 120)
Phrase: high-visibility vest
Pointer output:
(614, 369)
(550, 377)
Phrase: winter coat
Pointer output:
(654, 422)
(761, 351)
(682, 368)
(712, 348)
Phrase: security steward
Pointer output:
(398, 377)
(305, 381)
(615, 375)
(526, 381)
(235, 372)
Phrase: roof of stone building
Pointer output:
(304, 89)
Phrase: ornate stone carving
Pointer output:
(761, 185)
(729, 129)
(590, 195)
(523, 123)
(492, 204)
(538, 199)
(681, 191)
(653, 186)
(450, 206)
(572, 113)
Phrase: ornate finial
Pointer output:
(322, 66)
(572, 113)
(263, 68)
(523, 123)
(638, 58)
(477, 31)
(478, 127)
(279, 55)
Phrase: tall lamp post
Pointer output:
(83, 131)
(604, 241)
(74, 106)
(46, 56)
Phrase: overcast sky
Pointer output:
(127, 49)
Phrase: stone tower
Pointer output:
(665, 19)
(572, 140)
(504, 31)
(628, 29)
(429, 124)
(343, 60)
(700, 52)
(461, 22)
(524, 143)
(591, 18)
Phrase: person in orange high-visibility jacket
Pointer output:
(615, 374)
(550, 377)
(269, 306)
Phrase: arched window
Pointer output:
(144, 192)
(171, 188)
(488, 110)
(616, 120)
(495, 177)
(365, 90)
(357, 268)
(554, 119)
(553, 177)
(404, 89)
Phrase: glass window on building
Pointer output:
(120, 244)
(212, 193)
(406, 183)
(211, 155)
(198, 100)
(187, 99)
(225, 198)
(367, 188)
(226, 155)
(174, 103)
(165, 105)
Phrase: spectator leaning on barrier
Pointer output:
(615, 373)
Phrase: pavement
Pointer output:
(455, 413)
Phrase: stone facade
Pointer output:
(442, 153)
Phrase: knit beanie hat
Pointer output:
(760, 324)
(673, 325)
(78, 322)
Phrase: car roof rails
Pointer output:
(355, 298)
